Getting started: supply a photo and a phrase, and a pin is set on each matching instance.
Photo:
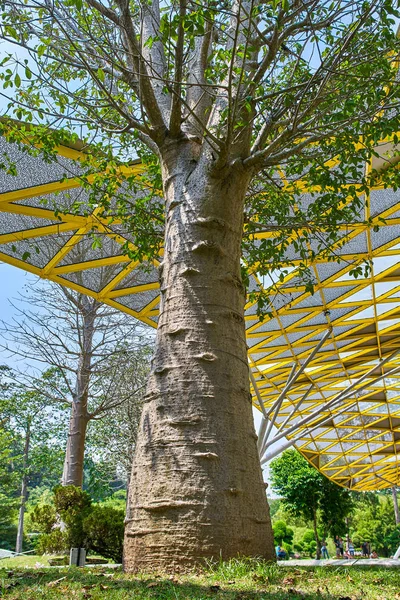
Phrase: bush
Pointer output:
(44, 518)
(104, 531)
(282, 533)
(73, 505)
(54, 542)
(298, 547)
(98, 528)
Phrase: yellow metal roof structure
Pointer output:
(317, 366)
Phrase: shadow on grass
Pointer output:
(105, 585)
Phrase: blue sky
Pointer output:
(12, 281)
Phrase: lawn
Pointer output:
(235, 580)
(29, 560)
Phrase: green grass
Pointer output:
(29, 560)
(233, 580)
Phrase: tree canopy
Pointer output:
(288, 89)
(307, 493)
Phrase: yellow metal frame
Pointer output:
(359, 448)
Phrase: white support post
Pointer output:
(296, 408)
(291, 380)
(338, 398)
(257, 391)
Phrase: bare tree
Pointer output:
(113, 439)
(241, 103)
(91, 346)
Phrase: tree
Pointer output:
(112, 441)
(90, 347)
(36, 424)
(335, 504)
(8, 499)
(236, 107)
(374, 522)
(307, 493)
(395, 505)
(8, 503)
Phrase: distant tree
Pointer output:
(307, 493)
(373, 521)
(274, 506)
(8, 484)
(112, 441)
(396, 505)
(36, 424)
(8, 477)
(335, 505)
(92, 348)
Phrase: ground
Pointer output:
(235, 580)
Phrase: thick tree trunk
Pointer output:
(396, 505)
(196, 488)
(75, 450)
(24, 492)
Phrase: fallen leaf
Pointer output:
(56, 581)
(152, 584)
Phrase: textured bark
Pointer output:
(24, 492)
(196, 487)
(396, 505)
(75, 450)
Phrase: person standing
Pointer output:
(324, 550)
(341, 547)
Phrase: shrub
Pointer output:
(43, 517)
(73, 522)
(298, 547)
(54, 542)
(73, 505)
(103, 529)
(282, 533)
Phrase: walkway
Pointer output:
(359, 562)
